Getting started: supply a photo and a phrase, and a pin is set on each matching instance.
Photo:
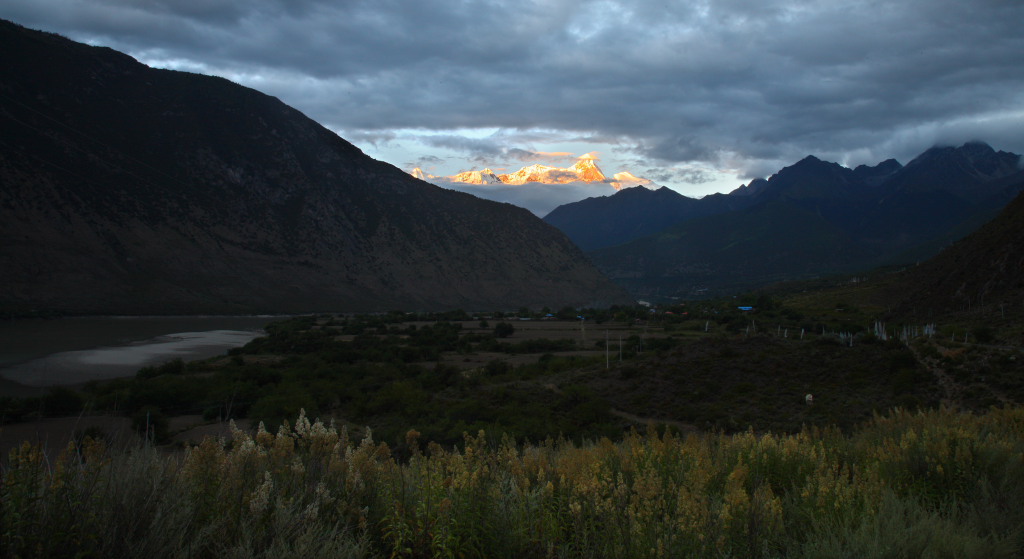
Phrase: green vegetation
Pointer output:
(707, 366)
(929, 484)
(440, 374)
(734, 461)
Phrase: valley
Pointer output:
(706, 364)
(811, 219)
(486, 425)
(809, 365)
(133, 190)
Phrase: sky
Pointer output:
(699, 95)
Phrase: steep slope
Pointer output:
(132, 190)
(731, 252)
(486, 176)
(985, 267)
(628, 214)
(824, 187)
(584, 170)
(812, 180)
(632, 213)
(936, 193)
(962, 171)
(886, 214)
(588, 171)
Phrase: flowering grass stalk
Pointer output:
(935, 483)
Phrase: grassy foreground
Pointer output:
(929, 484)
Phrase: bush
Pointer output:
(274, 408)
(497, 367)
(983, 334)
(503, 330)
(932, 484)
(60, 401)
(151, 424)
(212, 413)
(172, 367)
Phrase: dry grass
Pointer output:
(935, 484)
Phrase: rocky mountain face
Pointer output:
(984, 268)
(632, 213)
(588, 171)
(584, 170)
(486, 176)
(581, 171)
(812, 218)
(125, 189)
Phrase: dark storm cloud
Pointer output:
(678, 174)
(425, 161)
(372, 137)
(492, 150)
(478, 148)
(750, 82)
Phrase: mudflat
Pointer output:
(77, 367)
(37, 353)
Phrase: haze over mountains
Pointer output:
(550, 184)
(809, 219)
(127, 189)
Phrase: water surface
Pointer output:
(64, 351)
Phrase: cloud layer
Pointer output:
(676, 88)
(539, 198)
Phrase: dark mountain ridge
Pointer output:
(986, 267)
(127, 189)
(871, 216)
(631, 213)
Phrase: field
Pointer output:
(489, 436)
(933, 484)
(705, 366)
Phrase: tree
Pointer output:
(503, 330)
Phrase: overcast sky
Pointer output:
(700, 96)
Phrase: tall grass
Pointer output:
(930, 484)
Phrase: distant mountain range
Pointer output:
(537, 187)
(125, 189)
(584, 170)
(985, 268)
(809, 219)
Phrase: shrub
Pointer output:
(503, 330)
(935, 484)
(983, 334)
(497, 367)
(151, 424)
(61, 401)
(173, 367)
(281, 404)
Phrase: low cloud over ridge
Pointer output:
(729, 88)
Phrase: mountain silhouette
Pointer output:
(984, 268)
(812, 218)
(127, 189)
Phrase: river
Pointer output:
(35, 353)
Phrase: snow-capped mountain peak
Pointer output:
(486, 176)
(588, 170)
